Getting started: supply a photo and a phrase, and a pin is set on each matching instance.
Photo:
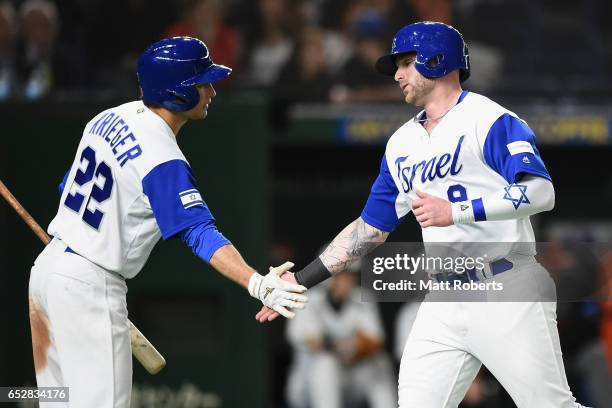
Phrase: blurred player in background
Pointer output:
(469, 171)
(129, 186)
(338, 349)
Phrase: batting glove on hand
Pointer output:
(276, 293)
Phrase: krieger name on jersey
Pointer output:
(113, 129)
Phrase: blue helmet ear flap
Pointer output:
(181, 101)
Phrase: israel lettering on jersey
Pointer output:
(129, 186)
(477, 149)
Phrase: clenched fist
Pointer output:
(432, 211)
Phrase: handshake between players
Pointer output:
(276, 293)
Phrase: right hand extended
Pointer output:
(276, 293)
(266, 314)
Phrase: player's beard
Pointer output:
(421, 87)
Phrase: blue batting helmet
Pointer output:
(439, 49)
(170, 68)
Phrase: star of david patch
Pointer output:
(516, 194)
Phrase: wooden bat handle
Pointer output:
(142, 348)
(145, 352)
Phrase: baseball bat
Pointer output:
(142, 348)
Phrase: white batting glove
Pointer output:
(278, 294)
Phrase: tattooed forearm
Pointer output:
(356, 240)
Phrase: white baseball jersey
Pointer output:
(129, 185)
(478, 148)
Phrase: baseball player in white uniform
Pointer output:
(469, 171)
(129, 186)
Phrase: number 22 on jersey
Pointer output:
(100, 192)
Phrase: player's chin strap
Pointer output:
(529, 196)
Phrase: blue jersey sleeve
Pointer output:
(175, 200)
(510, 150)
(204, 239)
(380, 210)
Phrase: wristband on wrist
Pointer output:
(462, 212)
(466, 212)
(315, 272)
(479, 211)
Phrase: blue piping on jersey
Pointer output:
(62, 185)
(479, 210)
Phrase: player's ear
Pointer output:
(140, 93)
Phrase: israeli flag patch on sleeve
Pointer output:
(191, 198)
(520, 146)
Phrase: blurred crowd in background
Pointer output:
(304, 50)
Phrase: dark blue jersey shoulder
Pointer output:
(379, 210)
(510, 150)
(176, 202)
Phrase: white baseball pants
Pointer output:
(517, 341)
(80, 333)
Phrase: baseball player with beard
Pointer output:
(129, 186)
(469, 171)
